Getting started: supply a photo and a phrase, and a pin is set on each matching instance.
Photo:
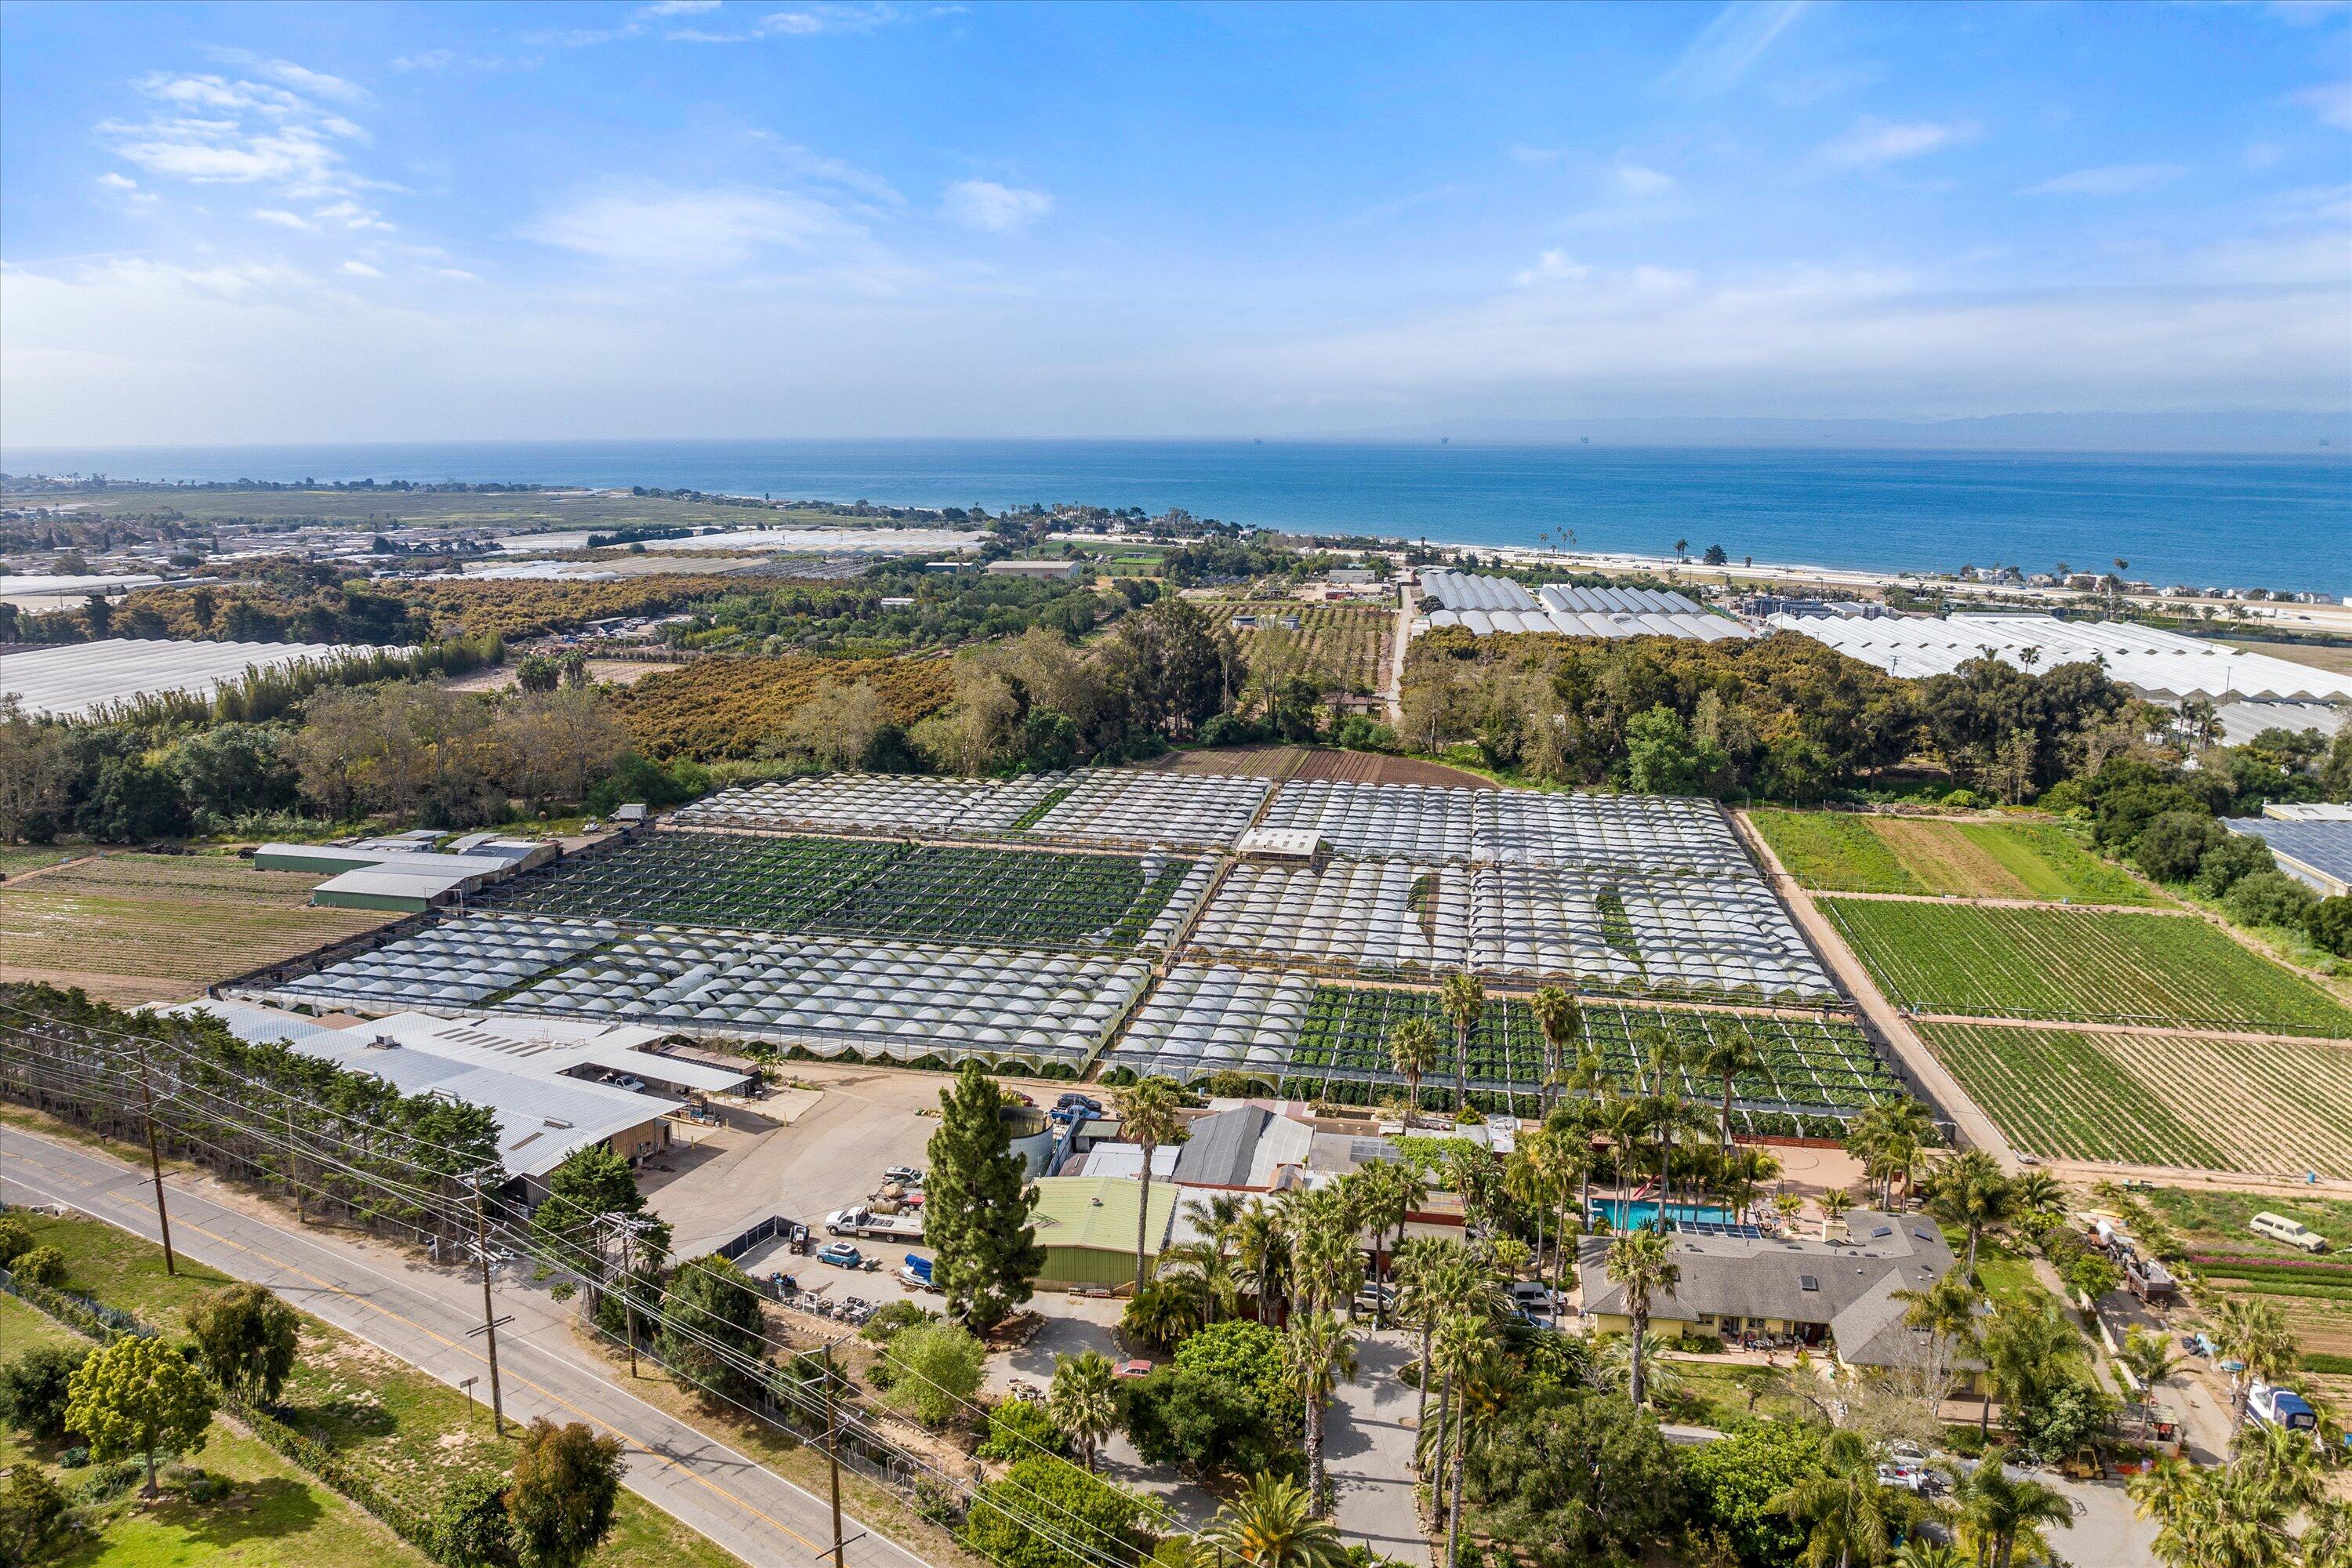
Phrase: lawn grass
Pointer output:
(1848, 852)
(2089, 965)
(409, 1432)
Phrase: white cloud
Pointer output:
(2332, 102)
(993, 208)
(2114, 179)
(679, 8)
(691, 230)
(1734, 40)
(281, 218)
(114, 182)
(1636, 180)
(318, 84)
(1552, 267)
(1873, 143)
(211, 129)
(361, 269)
(425, 60)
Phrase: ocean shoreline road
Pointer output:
(423, 1315)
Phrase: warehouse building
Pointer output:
(1086, 1225)
(2313, 844)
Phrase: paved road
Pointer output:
(421, 1315)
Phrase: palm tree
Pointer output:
(1555, 1158)
(1412, 1051)
(1214, 1217)
(1464, 998)
(1726, 1054)
(1323, 1241)
(1082, 1401)
(1613, 1370)
(1920, 1552)
(1947, 1312)
(1391, 1190)
(1835, 1203)
(2249, 1330)
(1262, 1259)
(2152, 1363)
(1271, 1525)
(1560, 1020)
(1847, 1515)
(2023, 1351)
(1465, 1346)
(1421, 1268)
(1198, 1269)
(1973, 1192)
(1642, 1262)
(1318, 1356)
(1623, 1121)
(2039, 1192)
(1146, 1116)
(1998, 1515)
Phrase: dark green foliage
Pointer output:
(470, 1528)
(15, 1239)
(31, 1509)
(40, 1266)
(893, 1316)
(635, 778)
(1099, 1522)
(1248, 1355)
(566, 1483)
(2330, 923)
(593, 1183)
(2060, 1417)
(2231, 857)
(976, 1206)
(2174, 844)
(1579, 1479)
(1179, 1416)
(2269, 898)
(1018, 1428)
(33, 1389)
(248, 1339)
(711, 1333)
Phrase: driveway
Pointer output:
(1367, 1443)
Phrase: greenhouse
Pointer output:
(1611, 931)
(882, 1000)
(861, 887)
(1122, 807)
(1524, 827)
(1371, 916)
(460, 964)
(1331, 1042)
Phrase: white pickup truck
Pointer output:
(906, 1227)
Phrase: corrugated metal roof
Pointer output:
(1101, 1212)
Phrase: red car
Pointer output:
(1138, 1368)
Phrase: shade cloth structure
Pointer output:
(1436, 826)
(2160, 665)
(1109, 807)
(76, 681)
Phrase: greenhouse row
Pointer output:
(1118, 807)
(1522, 827)
(1370, 915)
(890, 999)
(1296, 1038)
(456, 964)
(1029, 898)
(1663, 933)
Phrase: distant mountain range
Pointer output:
(2250, 431)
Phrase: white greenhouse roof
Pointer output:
(74, 679)
(2161, 665)
(1490, 606)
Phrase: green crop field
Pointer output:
(2159, 1099)
(838, 887)
(1847, 852)
(2085, 964)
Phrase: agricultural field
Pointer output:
(1342, 648)
(730, 708)
(1847, 852)
(15, 860)
(2159, 1099)
(2204, 1233)
(1819, 1071)
(142, 927)
(850, 887)
(2078, 964)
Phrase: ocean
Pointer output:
(2282, 523)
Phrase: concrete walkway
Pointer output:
(1368, 1444)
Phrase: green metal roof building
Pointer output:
(1086, 1225)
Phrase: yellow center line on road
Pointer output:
(468, 1351)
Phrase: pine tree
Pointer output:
(976, 1206)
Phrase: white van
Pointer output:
(2294, 1233)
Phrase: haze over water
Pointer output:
(2234, 521)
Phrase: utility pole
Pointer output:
(832, 1451)
(155, 1160)
(628, 1225)
(489, 1329)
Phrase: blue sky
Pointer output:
(284, 223)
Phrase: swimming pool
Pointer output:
(1639, 1212)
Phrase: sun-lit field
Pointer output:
(1846, 852)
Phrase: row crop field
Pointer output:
(852, 888)
(2080, 964)
(1342, 648)
(2159, 1099)
(1817, 1071)
(1846, 852)
(137, 927)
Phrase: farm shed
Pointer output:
(1036, 571)
(1087, 1227)
(401, 892)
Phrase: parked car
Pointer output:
(905, 1175)
(1087, 1101)
(634, 1085)
(1135, 1368)
(841, 1254)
